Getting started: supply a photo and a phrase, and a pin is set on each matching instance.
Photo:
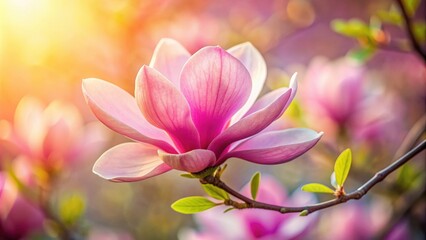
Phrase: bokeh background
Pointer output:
(47, 47)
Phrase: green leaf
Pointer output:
(255, 180)
(411, 6)
(392, 16)
(342, 166)
(215, 192)
(362, 54)
(420, 31)
(187, 175)
(304, 213)
(407, 176)
(352, 28)
(71, 208)
(317, 188)
(228, 209)
(194, 204)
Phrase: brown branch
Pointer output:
(359, 193)
(413, 136)
(409, 26)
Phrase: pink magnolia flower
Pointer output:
(339, 99)
(53, 136)
(194, 112)
(256, 223)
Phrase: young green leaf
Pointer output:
(392, 16)
(362, 54)
(304, 213)
(419, 29)
(317, 188)
(215, 192)
(411, 6)
(194, 204)
(342, 166)
(353, 28)
(228, 209)
(255, 180)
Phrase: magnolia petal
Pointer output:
(118, 110)
(216, 85)
(275, 147)
(129, 162)
(255, 64)
(193, 161)
(168, 58)
(271, 96)
(165, 107)
(252, 124)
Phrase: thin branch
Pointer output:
(413, 136)
(359, 193)
(409, 25)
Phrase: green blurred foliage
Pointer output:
(71, 208)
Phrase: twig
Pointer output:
(416, 46)
(359, 193)
(413, 136)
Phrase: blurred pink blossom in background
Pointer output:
(194, 112)
(339, 98)
(54, 136)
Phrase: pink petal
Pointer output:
(275, 147)
(216, 86)
(169, 58)
(165, 107)
(193, 161)
(252, 124)
(271, 96)
(118, 110)
(255, 64)
(129, 162)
